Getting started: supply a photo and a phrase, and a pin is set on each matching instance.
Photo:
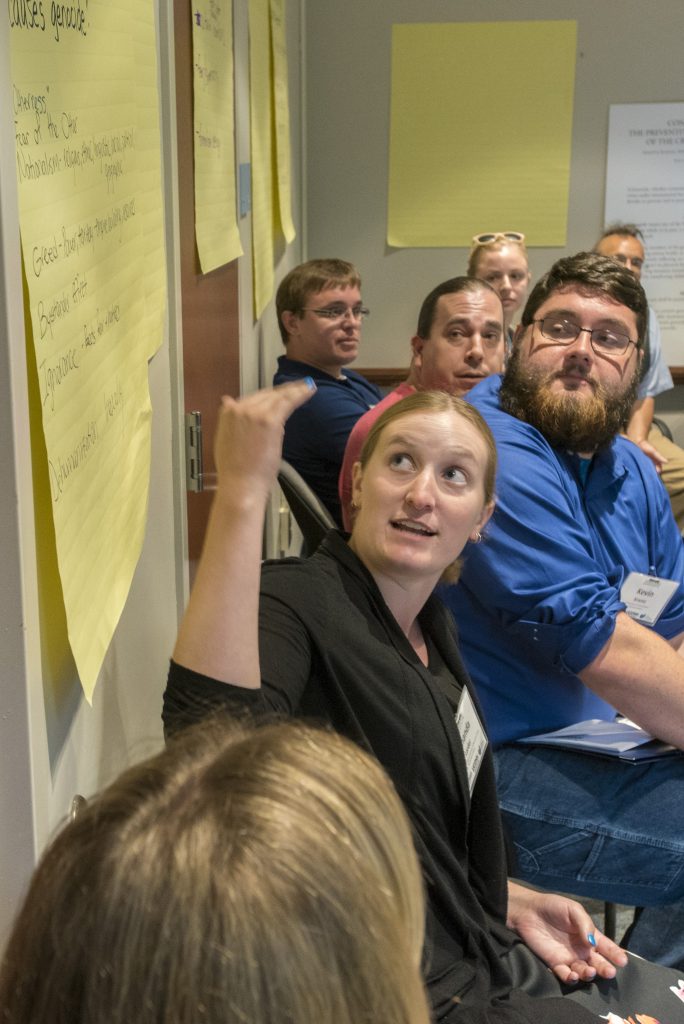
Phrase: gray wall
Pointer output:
(627, 52)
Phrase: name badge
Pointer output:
(646, 597)
(473, 736)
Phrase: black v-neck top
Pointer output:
(332, 652)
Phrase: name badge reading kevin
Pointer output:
(646, 597)
(473, 736)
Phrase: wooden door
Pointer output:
(211, 351)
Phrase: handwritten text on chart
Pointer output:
(49, 143)
(30, 14)
(212, 21)
(56, 368)
(64, 465)
(73, 239)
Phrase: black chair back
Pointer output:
(311, 515)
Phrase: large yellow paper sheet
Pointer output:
(281, 108)
(216, 227)
(481, 131)
(263, 214)
(270, 142)
(90, 206)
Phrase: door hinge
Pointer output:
(194, 467)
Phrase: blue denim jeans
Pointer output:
(596, 827)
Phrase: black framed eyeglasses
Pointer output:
(604, 340)
(339, 312)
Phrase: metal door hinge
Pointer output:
(194, 467)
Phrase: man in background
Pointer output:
(320, 313)
(624, 242)
(458, 342)
(581, 521)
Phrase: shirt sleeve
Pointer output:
(657, 377)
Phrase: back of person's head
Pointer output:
(308, 279)
(492, 241)
(243, 874)
(591, 274)
(453, 286)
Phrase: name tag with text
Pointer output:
(473, 736)
(646, 597)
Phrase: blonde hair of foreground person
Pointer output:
(242, 875)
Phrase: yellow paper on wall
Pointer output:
(90, 207)
(263, 211)
(281, 107)
(472, 149)
(216, 227)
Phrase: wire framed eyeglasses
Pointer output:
(339, 312)
(604, 340)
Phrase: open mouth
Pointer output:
(407, 526)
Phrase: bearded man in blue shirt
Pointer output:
(543, 627)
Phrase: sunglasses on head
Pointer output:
(498, 236)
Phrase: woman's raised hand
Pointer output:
(249, 440)
(218, 636)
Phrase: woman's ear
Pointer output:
(484, 519)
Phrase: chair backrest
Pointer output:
(312, 517)
(663, 428)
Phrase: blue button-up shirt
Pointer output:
(538, 598)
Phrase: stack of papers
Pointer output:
(621, 739)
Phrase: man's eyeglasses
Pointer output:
(604, 340)
(498, 236)
(339, 312)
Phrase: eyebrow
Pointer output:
(571, 314)
(457, 320)
(455, 451)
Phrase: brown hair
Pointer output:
(619, 228)
(242, 874)
(308, 279)
(591, 274)
(453, 286)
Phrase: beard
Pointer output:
(567, 420)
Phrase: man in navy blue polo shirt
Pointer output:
(320, 313)
(542, 604)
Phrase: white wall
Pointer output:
(627, 52)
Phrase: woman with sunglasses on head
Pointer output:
(355, 637)
(500, 259)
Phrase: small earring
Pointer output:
(478, 536)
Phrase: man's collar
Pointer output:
(306, 370)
